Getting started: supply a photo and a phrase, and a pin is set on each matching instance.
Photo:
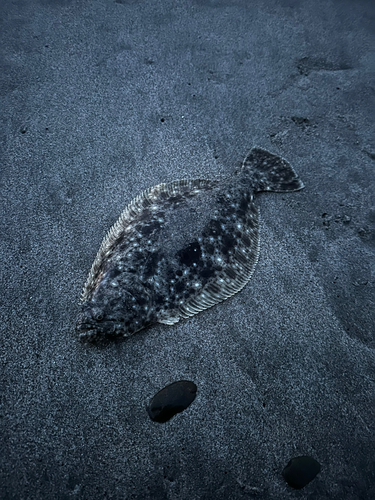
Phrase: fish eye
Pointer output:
(98, 316)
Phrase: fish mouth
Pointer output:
(95, 331)
(87, 331)
(89, 335)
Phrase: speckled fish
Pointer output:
(179, 248)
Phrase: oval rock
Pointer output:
(300, 471)
(172, 399)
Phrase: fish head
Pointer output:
(111, 318)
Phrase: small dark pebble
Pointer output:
(174, 398)
(299, 120)
(300, 471)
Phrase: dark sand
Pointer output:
(101, 99)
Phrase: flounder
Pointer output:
(179, 248)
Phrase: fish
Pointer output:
(179, 248)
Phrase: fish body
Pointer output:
(179, 248)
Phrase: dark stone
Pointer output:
(300, 121)
(300, 471)
(174, 398)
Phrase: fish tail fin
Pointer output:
(268, 172)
